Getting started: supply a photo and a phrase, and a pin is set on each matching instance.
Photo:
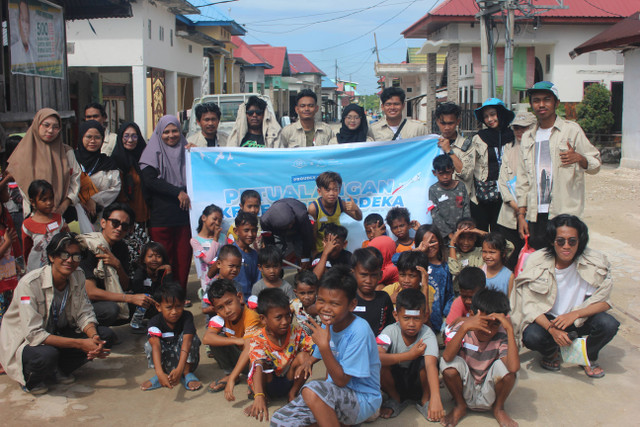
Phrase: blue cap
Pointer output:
(544, 86)
(505, 116)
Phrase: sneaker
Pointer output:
(64, 379)
(37, 390)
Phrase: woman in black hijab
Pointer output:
(354, 126)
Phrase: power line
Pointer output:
(603, 10)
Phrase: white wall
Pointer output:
(631, 111)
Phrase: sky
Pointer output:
(346, 35)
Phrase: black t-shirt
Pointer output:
(119, 250)
(251, 140)
(159, 328)
(212, 142)
(378, 312)
(141, 283)
(343, 258)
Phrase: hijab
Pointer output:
(126, 159)
(168, 161)
(357, 135)
(92, 162)
(35, 159)
(387, 248)
(496, 139)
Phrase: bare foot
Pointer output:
(386, 412)
(453, 417)
(219, 385)
(194, 385)
(504, 419)
(146, 385)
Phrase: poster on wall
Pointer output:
(37, 38)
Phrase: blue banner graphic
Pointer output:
(378, 175)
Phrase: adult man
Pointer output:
(208, 118)
(306, 132)
(95, 111)
(393, 126)
(555, 154)
(106, 265)
(22, 54)
(255, 126)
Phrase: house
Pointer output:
(623, 37)
(542, 44)
(330, 111)
(276, 84)
(252, 66)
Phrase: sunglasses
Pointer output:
(117, 223)
(561, 241)
(64, 255)
(254, 112)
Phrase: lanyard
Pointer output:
(92, 169)
(56, 313)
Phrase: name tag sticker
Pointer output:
(465, 262)
(443, 198)
(52, 226)
(412, 312)
(147, 282)
(229, 331)
(470, 346)
(360, 309)
(168, 335)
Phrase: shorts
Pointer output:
(407, 380)
(170, 353)
(479, 397)
(342, 399)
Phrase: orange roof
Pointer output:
(300, 64)
(248, 54)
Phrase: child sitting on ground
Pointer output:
(228, 267)
(471, 280)
(227, 331)
(449, 197)
(373, 306)
(409, 358)
(247, 229)
(494, 255)
(328, 207)
(413, 274)
(205, 244)
(173, 348)
(333, 251)
(270, 266)
(351, 393)
(276, 354)
(480, 362)
(400, 224)
(373, 227)
(251, 202)
(303, 306)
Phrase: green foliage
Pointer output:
(560, 111)
(370, 102)
(594, 112)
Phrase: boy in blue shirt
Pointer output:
(351, 393)
(247, 230)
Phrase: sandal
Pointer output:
(394, 405)
(155, 384)
(590, 370)
(551, 363)
(189, 378)
(215, 388)
(424, 410)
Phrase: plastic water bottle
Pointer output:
(138, 315)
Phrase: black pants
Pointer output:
(514, 237)
(42, 361)
(485, 214)
(106, 312)
(538, 231)
(599, 328)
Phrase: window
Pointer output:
(171, 37)
(465, 69)
(161, 34)
(547, 67)
(409, 89)
(472, 68)
(149, 27)
(593, 58)
(461, 70)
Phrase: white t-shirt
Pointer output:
(544, 169)
(572, 290)
(394, 129)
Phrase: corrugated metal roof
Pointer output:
(414, 58)
(625, 33)
(210, 15)
(94, 9)
(277, 56)
(248, 54)
(300, 64)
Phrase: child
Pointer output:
(412, 274)
(494, 255)
(449, 197)
(228, 267)
(373, 306)
(270, 266)
(479, 364)
(227, 331)
(303, 306)
(429, 241)
(247, 229)
(351, 393)
(463, 249)
(9, 250)
(399, 221)
(251, 202)
(328, 207)
(387, 248)
(409, 358)
(40, 227)
(205, 244)
(173, 348)
(276, 354)
(373, 227)
(333, 250)
(471, 280)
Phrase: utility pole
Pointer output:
(508, 55)
(375, 39)
(487, 76)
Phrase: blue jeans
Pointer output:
(599, 328)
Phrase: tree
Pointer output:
(371, 102)
(594, 112)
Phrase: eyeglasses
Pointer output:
(561, 241)
(132, 137)
(92, 137)
(53, 126)
(351, 118)
(254, 112)
(115, 223)
(64, 255)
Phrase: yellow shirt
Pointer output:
(325, 218)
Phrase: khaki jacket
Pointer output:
(568, 187)
(109, 143)
(535, 289)
(507, 216)
(24, 322)
(293, 136)
(380, 130)
(466, 152)
(270, 129)
(199, 140)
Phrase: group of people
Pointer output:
(456, 298)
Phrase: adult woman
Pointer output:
(41, 154)
(100, 180)
(39, 331)
(354, 126)
(490, 143)
(129, 147)
(507, 221)
(165, 183)
(564, 290)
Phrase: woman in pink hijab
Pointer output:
(387, 247)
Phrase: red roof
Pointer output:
(276, 56)
(625, 33)
(248, 54)
(300, 64)
(578, 12)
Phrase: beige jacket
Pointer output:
(270, 129)
(24, 322)
(568, 187)
(199, 140)
(380, 130)
(293, 136)
(507, 216)
(535, 289)
(466, 152)
(109, 142)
